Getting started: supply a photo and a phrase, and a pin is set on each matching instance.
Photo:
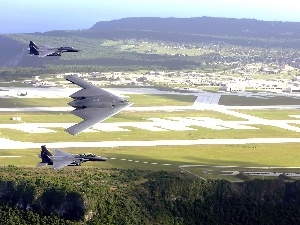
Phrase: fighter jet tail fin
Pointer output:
(45, 154)
(33, 48)
(44, 149)
(32, 44)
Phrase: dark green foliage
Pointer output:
(10, 215)
(97, 196)
(203, 25)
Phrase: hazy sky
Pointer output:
(18, 16)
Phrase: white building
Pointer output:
(232, 87)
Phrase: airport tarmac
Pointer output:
(65, 92)
(11, 144)
(204, 101)
(164, 124)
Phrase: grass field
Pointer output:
(138, 100)
(273, 114)
(14, 84)
(141, 134)
(256, 155)
(262, 131)
(33, 102)
(124, 116)
(146, 135)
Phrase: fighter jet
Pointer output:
(48, 51)
(93, 104)
(60, 159)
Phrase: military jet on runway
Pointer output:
(60, 159)
(93, 104)
(48, 51)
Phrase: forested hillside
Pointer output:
(98, 196)
(206, 25)
(118, 45)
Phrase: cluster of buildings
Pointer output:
(228, 82)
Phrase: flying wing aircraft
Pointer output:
(48, 51)
(60, 159)
(93, 104)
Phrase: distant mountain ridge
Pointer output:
(202, 31)
(205, 25)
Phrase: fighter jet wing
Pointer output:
(41, 164)
(58, 164)
(92, 116)
(58, 152)
(45, 52)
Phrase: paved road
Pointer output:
(11, 144)
(198, 106)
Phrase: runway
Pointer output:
(198, 106)
(11, 144)
(204, 101)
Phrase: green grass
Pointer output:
(272, 114)
(273, 155)
(14, 84)
(124, 116)
(283, 155)
(140, 134)
(138, 100)
(161, 50)
(231, 100)
(33, 102)
(162, 100)
(209, 89)
(39, 117)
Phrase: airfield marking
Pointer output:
(185, 170)
(137, 161)
(204, 101)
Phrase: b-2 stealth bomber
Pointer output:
(48, 51)
(60, 159)
(93, 104)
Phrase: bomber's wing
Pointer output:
(88, 88)
(92, 116)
